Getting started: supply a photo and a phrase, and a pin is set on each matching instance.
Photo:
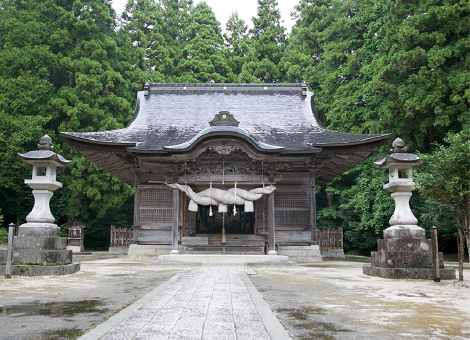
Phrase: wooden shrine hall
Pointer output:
(225, 168)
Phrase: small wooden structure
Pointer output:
(330, 242)
(76, 234)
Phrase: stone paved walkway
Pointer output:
(209, 303)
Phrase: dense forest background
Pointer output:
(375, 66)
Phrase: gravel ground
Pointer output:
(64, 307)
(334, 300)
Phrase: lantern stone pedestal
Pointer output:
(404, 253)
(38, 249)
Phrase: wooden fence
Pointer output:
(330, 238)
(120, 237)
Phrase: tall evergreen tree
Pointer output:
(378, 67)
(236, 42)
(62, 58)
(445, 178)
(141, 29)
(329, 52)
(175, 20)
(95, 99)
(267, 44)
(30, 36)
(420, 85)
(202, 56)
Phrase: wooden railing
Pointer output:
(120, 237)
(330, 238)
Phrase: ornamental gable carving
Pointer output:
(224, 118)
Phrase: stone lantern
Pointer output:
(400, 183)
(404, 252)
(38, 249)
(43, 182)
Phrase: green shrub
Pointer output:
(3, 235)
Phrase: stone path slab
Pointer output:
(211, 302)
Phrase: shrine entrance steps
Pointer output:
(223, 259)
(248, 244)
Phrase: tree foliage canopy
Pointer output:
(375, 67)
(446, 179)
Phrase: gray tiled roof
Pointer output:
(271, 115)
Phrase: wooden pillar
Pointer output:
(313, 209)
(136, 202)
(174, 230)
(136, 224)
(271, 226)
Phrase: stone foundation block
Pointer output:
(404, 245)
(26, 270)
(408, 273)
(119, 250)
(405, 231)
(39, 229)
(75, 249)
(148, 252)
(333, 253)
(301, 254)
(397, 259)
(39, 242)
(41, 257)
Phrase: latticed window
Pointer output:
(292, 208)
(156, 207)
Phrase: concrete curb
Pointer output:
(273, 326)
(112, 322)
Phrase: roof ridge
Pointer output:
(242, 87)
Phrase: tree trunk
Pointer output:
(461, 244)
(329, 198)
(467, 224)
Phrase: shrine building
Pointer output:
(225, 168)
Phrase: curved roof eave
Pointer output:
(70, 135)
(223, 131)
(357, 142)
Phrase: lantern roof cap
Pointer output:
(44, 153)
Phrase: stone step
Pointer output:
(234, 236)
(225, 250)
(240, 243)
(222, 259)
(232, 240)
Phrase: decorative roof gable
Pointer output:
(224, 118)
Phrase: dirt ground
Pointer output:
(65, 307)
(332, 300)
